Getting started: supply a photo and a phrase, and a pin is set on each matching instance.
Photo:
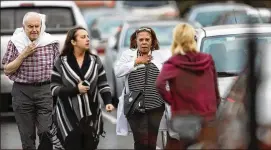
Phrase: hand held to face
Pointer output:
(82, 88)
(143, 59)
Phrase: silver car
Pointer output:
(151, 9)
(105, 26)
(265, 14)
(207, 14)
(228, 45)
(237, 17)
(121, 41)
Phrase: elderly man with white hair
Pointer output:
(28, 62)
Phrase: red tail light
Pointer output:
(26, 4)
(93, 4)
(230, 100)
(100, 50)
(172, 14)
(109, 4)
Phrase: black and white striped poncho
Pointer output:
(71, 106)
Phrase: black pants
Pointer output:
(82, 138)
(78, 140)
(145, 128)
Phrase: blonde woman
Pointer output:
(188, 80)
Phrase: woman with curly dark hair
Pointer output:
(141, 65)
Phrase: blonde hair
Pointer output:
(183, 39)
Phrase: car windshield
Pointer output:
(58, 19)
(145, 3)
(230, 52)
(163, 34)
(108, 26)
(209, 18)
(91, 14)
(237, 17)
(266, 19)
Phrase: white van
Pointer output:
(228, 45)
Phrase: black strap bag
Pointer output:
(134, 101)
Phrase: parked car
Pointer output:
(233, 112)
(206, 14)
(232, 124)
(152, 9)
(105, 26)
(265, 14)
(238, 17)
(228, 44)
(95, 4)
(61, 16)
(121, 40)
(94, 9)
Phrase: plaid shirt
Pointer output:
(34, 68)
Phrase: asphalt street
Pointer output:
(10, 138)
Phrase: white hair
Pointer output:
(29, 15)
(35, 14)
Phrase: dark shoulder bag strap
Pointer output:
(146, 79)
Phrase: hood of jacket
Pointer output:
(192, 61)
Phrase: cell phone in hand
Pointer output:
(86, 83)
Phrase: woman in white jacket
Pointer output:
(144, 51)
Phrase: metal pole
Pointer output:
(252, 85)
(251, 91)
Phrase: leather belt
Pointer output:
(35, 83)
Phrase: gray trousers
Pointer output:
(33, 107)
